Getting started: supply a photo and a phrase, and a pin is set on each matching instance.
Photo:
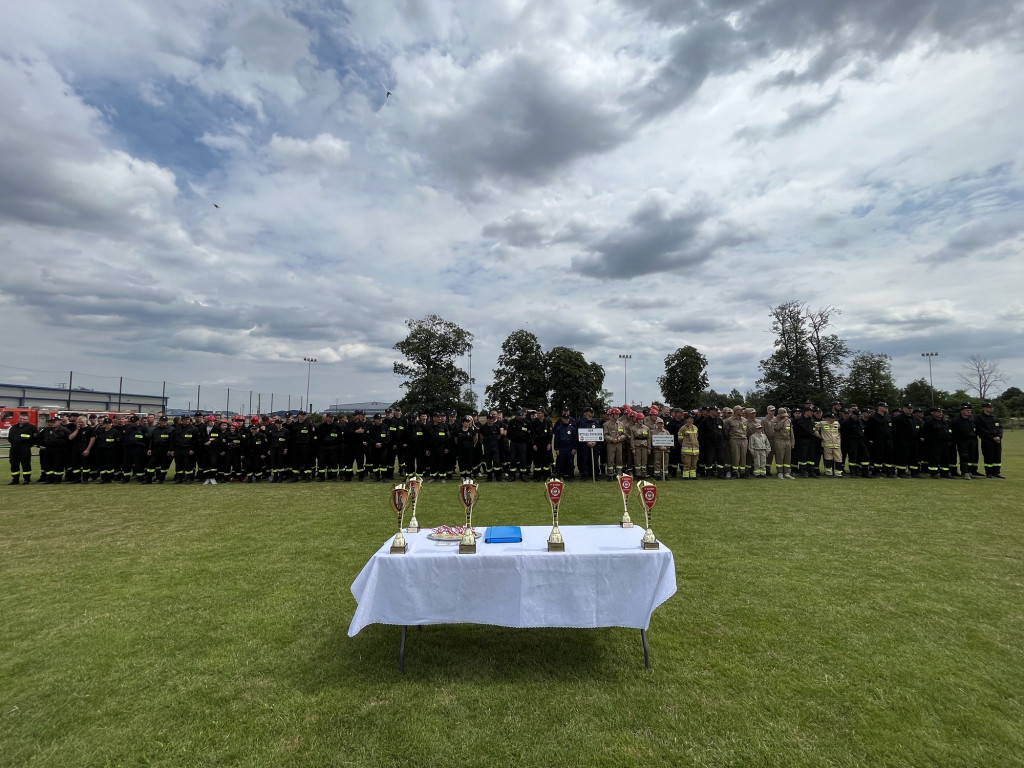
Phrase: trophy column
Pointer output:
(414, 484)
(399, 501)
(626, 487)
(468, 494)
(649, 496)
(554, 489)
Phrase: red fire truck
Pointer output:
(9, 417)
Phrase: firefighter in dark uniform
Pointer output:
(672, 426)
(133, 451)
(542, 437)
(990, 430)
(234, 440)
(711, 433)
(108, 450)
(587, 453)
(518, 433)
(851, 433)
(490, 438)
(806, 443)
(378, 437)
(161, 451)
(22, 437)
(279, 438)
(328, 448)
(965, 438)
(53, 450)
(255, 451)
(302, 447)
(357, 446)
(878, 434)
(452, 422)
(186, 441)
(417, 446)
(566, 445)
(82, 439)
(394, 442)
(438, 447)
(905, 442)
(465, 439)
(936, 440)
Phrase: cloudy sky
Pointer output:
(617, 177)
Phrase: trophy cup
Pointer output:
(399, 501)
(467, 495)
(554, 489)
(648, 495)
(414, 484)
(626, 486)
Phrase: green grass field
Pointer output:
(817, 623)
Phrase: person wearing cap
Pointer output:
(965, 439)
(255, 452)
(640, 442)
(108, 450)
(711, 433)
(302, 448)
(53, 450)
(851, 436)
(905, 442)
(159, 451)
(936, 440)
(768, 422)
(614, 440)
(279, 438)
(490, 441)
(565, 443)
(782, 443)
(439, 442)
(804, 441)
(81, 438)
(587, 456)
(736, 433)
(465, 439)
(542, 440)
(827, 431)
(328, 448)
(878, 434)
(758, 445)
(673, 421)
(398, 444)
(659, 453)
(186, 441)
(990, 432)
(377, 437)
(134, 444)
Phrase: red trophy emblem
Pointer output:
(626, 487)
(554, 489)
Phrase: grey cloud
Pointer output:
(975, 237)
(521, 229)
(527, 124)
(798, 116)
(698, 324)
(657, 240)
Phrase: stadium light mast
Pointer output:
(625, 377)
(931, 384)
(309, 371)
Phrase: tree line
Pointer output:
(809, 362)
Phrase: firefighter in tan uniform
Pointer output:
(783, 441)
(736, 435)
(827, 431)
(615, 435)
(640, 442)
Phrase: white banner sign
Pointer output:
(659, 440)
(591, 435)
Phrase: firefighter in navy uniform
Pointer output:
(134, 445)
(965, 439)
(464, 440)
(160, 451)
(279, 438)
(878, 434)
(186, 441)
(905, 442)
(542, 437)
(82, 439)
(990, 430)
(357, 446)
(234, 441)
(22, 436)
(378, 437)
(108, 450)
(53, 450)
(417, 446)
(438, 447)
(301, 448)
(255, 451)
(328, 448)
(936, 439)
(490, 439)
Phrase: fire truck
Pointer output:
(9, 417)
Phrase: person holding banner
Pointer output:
(586, 456)
(660, 448)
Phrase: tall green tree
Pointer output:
(807, 360)
(870, 380)
(685, 377)
(574, 383)
(521, 378)
(433, 380)
(920, 393)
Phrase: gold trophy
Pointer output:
(554, 489)
(414, 484)
(467, 495)
(648, 495)
(399, 501)
(626, 486)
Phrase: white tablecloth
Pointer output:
(603, 579)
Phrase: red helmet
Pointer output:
(254, 420)
(654, 409)
(211, 417)
(614, 411)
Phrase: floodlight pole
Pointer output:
(309, 370)
(625, 377)
(931, 384)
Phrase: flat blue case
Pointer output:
(503, 534)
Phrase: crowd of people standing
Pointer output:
(671, 443)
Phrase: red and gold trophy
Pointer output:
(626, 486)
(399, 501)
(467, 495)
(554, 489)
(648, 495)
(414, 484)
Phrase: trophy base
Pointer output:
(413, 529)
(650, 545)
(467, 549)
(399, 549)
(625, 525)
(556, 546)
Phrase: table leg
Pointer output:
(401, 651)
(647, 655)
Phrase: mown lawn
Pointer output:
(817, 623)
